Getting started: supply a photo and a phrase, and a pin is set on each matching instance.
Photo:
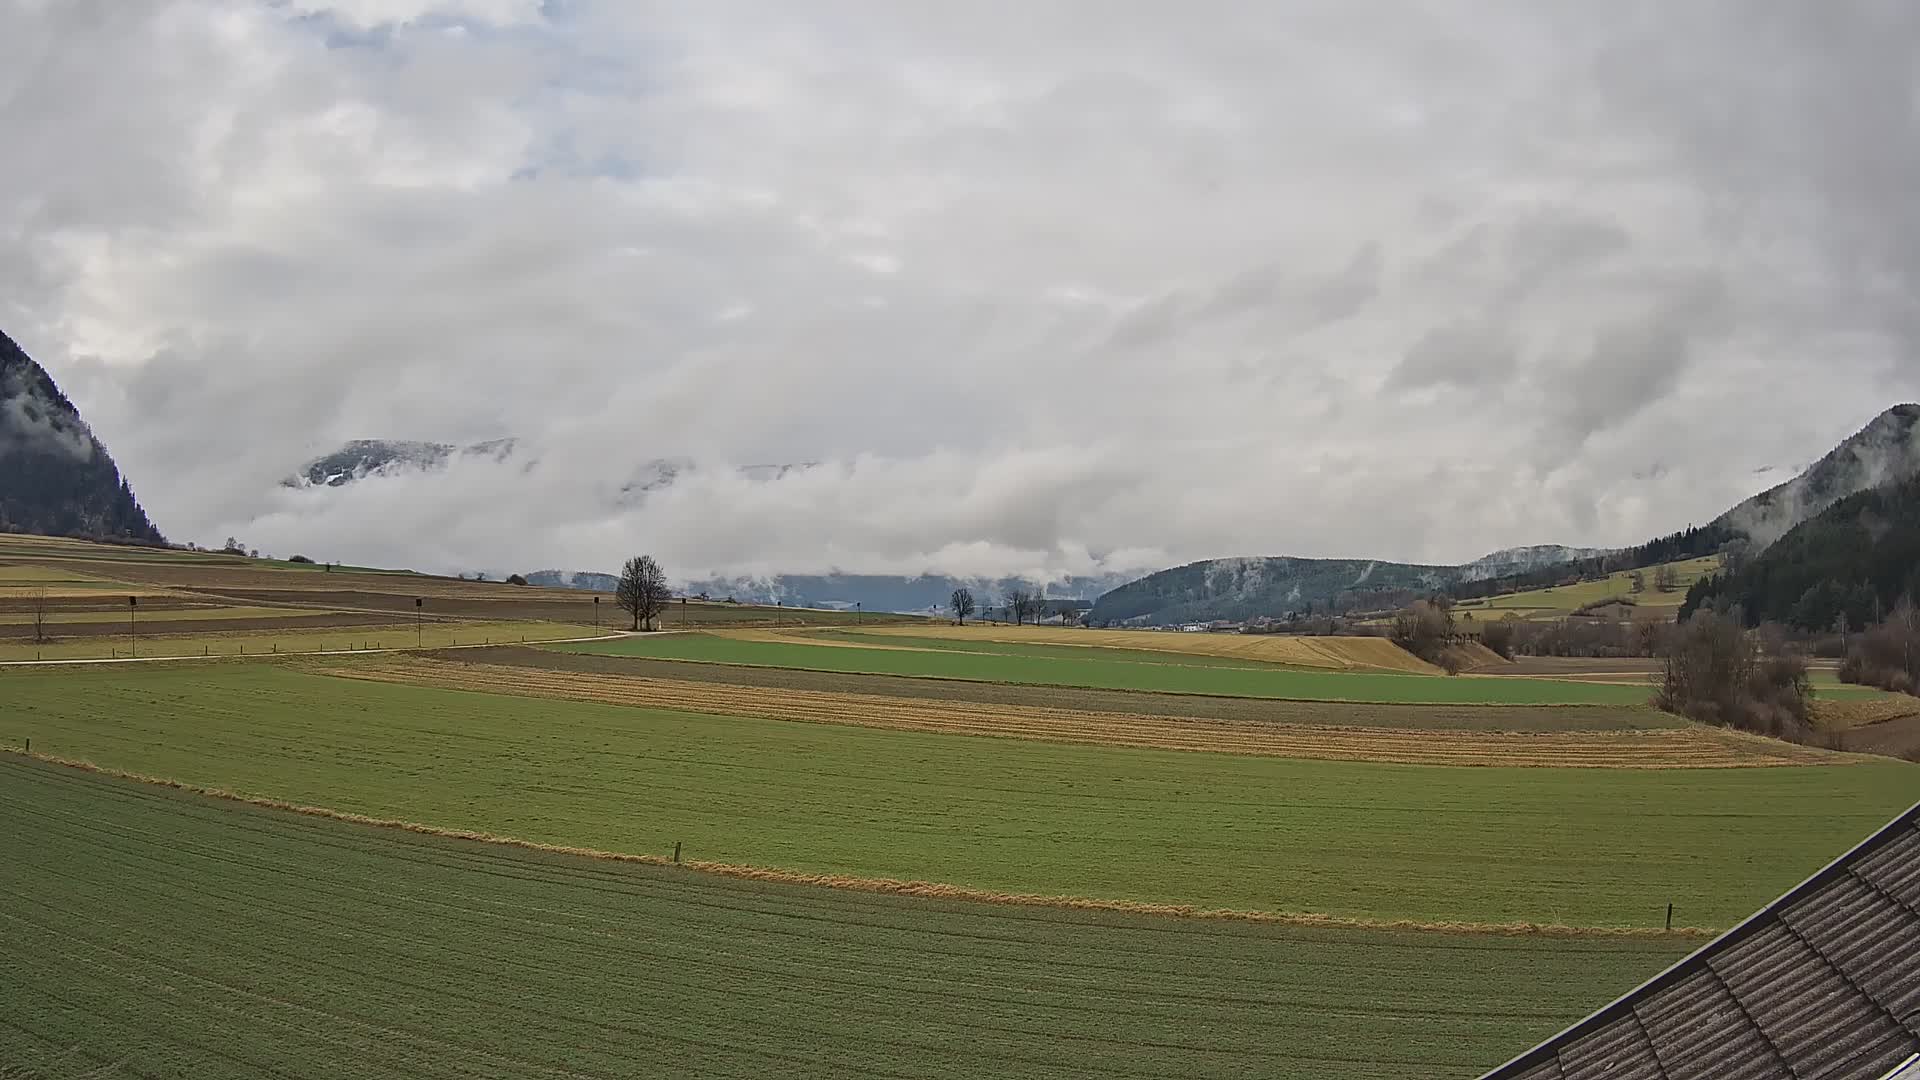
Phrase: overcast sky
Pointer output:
(1043, 286)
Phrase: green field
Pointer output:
(154, 933)
(1106, 653)
(1076, 668)
(1579, 847)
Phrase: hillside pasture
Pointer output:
(154, 932)
(1085, 668)
(1434, 844)
(1561, 601)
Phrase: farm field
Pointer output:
(1070, 668)
(159, 933)
(217, 604)
(911, 849)
(315, 632)
(1580, 847)
(1677, 747)
(1337, 653)
(1200, 706)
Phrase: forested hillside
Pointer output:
(55, 477)
(1855, 559)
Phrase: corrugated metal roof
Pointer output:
(1822, 984)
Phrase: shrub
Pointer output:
(1592, 606)
(1716, 674)
(298, 558)
(516, 579)
(1887, 655)
(1426, 631)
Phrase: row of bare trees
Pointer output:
(1024, 605)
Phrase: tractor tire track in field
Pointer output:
(1691, 747)
(326, 948)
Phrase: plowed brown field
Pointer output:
(1692, 747)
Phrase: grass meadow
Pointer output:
(1376, 841)
(157, 933)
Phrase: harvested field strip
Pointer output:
(165, 933)
(316, 632)
(1674, 748)
(1272, 682)
(1339, 653)
(1203, 706)
(1859, 712)
(117, 614)
(1594, 847)
(1042, 650)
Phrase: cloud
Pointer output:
(1466, 355)
(1039, 289)
(30, 423)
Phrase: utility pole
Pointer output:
(132, 638)
(419, 631)
(596, 614)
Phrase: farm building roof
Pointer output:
(1822, 984)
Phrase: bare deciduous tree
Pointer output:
(962, 604)
(642, 592)
(40, 615)
(1665, 578)
(1024, 604)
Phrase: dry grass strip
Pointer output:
(933, 890)
(1329, 653)
(1689, 747)
(1839, 714)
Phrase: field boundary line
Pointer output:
(932, 890)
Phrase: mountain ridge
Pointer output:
(1886, 449)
